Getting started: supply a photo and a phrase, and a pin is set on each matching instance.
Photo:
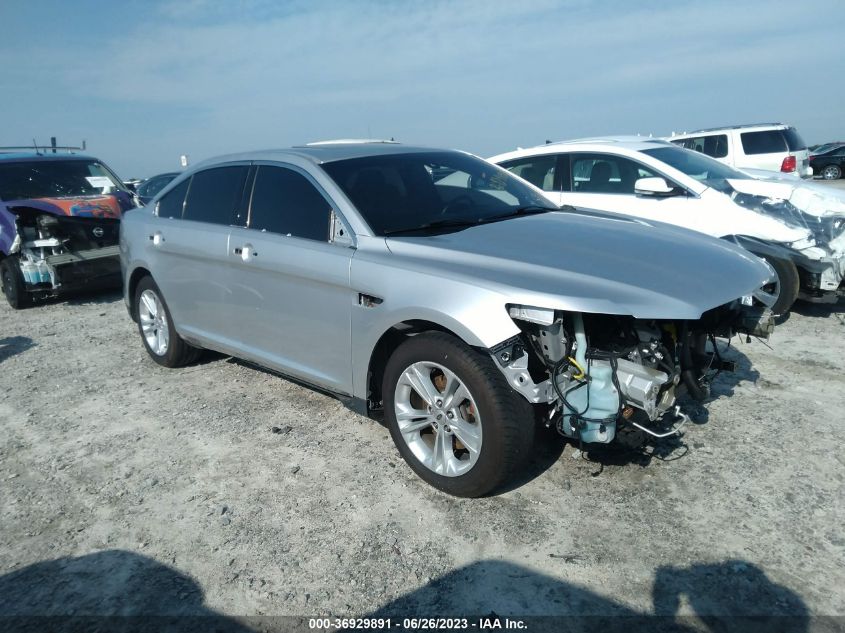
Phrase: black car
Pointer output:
(152, 185)
(830, 163)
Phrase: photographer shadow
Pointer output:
(113, 590)
(13, 345)
(723, 597)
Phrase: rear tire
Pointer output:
(162, 342)
(831, 172)
(488, 413)
(14, 288)
(789, 283)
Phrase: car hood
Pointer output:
(592, 262)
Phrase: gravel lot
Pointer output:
(220, 488)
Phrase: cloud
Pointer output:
(480, 75)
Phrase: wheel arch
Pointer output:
(131, 285)
(386, 344)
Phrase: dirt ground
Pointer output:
(219, 488)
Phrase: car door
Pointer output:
(606, 182)
(290, 300)
(189, 247)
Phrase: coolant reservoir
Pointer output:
(603, 406)
(29, 272)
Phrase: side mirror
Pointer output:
(656, 187)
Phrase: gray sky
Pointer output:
(144, 82)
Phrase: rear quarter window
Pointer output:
(793, 140)
(766, 142)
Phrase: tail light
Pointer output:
(789, 163)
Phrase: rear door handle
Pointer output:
(157, 238)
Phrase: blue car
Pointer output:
(59, 225)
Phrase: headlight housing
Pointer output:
(532, 314)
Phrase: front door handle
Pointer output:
(246, 252)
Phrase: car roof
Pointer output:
(630, 143)
(745, 126)
(32, 156)
(324, 152)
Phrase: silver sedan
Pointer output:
(439, 292)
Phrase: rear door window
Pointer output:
(767, 142)
(171, 204)
(214, 194)
(286, 202)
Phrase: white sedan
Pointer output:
(798, 229)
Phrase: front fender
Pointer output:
(477, 316)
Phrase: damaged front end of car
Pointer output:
(594, 373)
(820, 255)
(60, 252)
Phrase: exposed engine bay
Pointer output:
(593, 372)
(58, 253)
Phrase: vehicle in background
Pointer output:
(147, 189)
(772, 146)
(798, 227)
(823, 147)
(59, 225)
(829, 163)
(438, 291)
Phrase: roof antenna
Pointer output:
(548, 142)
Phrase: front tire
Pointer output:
(453, 416)
(162, 342)
(14, 288)
(832, 172)
(786, 286)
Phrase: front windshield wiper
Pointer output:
(437, 224)
(467, 222)
(519, 211)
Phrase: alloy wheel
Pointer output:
(438, 418)
(154, 323)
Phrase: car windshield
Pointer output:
(149, 188)
(829, 148)
(696, 165)
(402, 193)
(55, 179)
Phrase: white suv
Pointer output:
(769, 146)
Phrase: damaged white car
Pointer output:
(797, 227)
(437, 291)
